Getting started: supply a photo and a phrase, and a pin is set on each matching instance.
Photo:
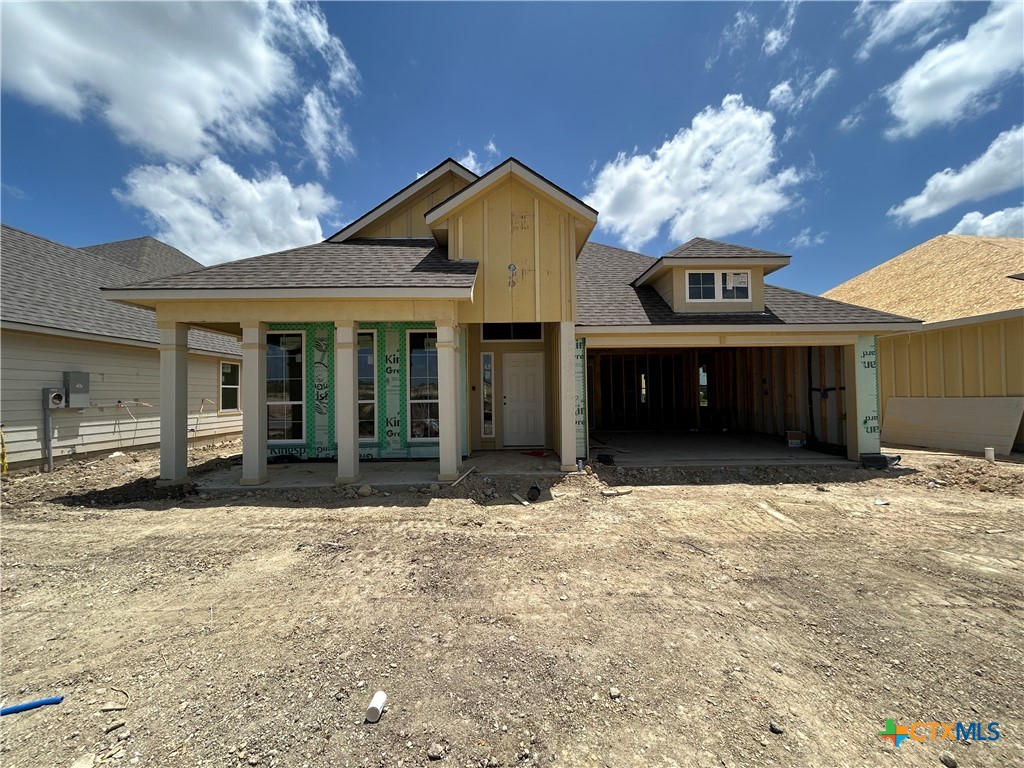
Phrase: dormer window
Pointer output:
(718, 286)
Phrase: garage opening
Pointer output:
(766, 391)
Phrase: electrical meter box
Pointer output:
(53, 397)
(76, 386)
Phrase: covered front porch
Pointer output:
(364, 393)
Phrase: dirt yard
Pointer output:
(682, 624)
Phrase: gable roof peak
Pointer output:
(445, 166)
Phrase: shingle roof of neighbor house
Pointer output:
(606, 297)
(349, 264)
(702, 248)
(945, 278)
(57, 287)
(145, 255)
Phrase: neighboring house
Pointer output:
(53, 319)
(467, 313)
(956, 382)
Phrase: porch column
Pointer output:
(173, 403)
(567, 395)
(346, 401)
(863, 425)
(254, 403)
(448, 402)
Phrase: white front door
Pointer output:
(523, 392)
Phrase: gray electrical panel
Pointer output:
(76, 385)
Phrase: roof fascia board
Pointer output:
(1008, 314)
(82, 336)
(383, 293)
(510, 167)
(401, 196)
(775, 329)
(695, 264)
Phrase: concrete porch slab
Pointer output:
(383, 474)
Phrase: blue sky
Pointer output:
(841, 133)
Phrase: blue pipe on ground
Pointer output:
(30, 705)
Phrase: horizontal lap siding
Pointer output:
(30, 362)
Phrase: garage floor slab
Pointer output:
(702, 449)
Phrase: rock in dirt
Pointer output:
(436, 752)
(85, 761)
(775, 727)
(365, 490)
(776, 667)
(948, 760)
(614, 693)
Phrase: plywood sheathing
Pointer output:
(948, 277)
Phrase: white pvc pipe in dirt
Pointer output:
(990, 455)
(377, 703)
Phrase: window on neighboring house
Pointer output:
(487, 393)
(367, 386)
(423, 385)
(285, 386)
(718, 286)
(230, 377)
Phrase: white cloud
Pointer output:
(477, 164)
(214, 214)
(177, 80)
(711, 179)
(1008, 222)
(805, 239)
(323, 130)
(777, 38)
(888, 22)
(956, 81)
(999, 169)
(808, 88)
(734, 36)
(16, 192)
(469, 161)
(853, 119)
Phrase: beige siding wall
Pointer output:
(516, 224)
(980, 360)
(29, 362)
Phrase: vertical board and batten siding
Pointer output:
(978, 360)
(407, 220)
(117, 372)
(516, 224)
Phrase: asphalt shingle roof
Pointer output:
(145, 255)
(55, 286)
(702, 248)
(606, 297)
(350, 264)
